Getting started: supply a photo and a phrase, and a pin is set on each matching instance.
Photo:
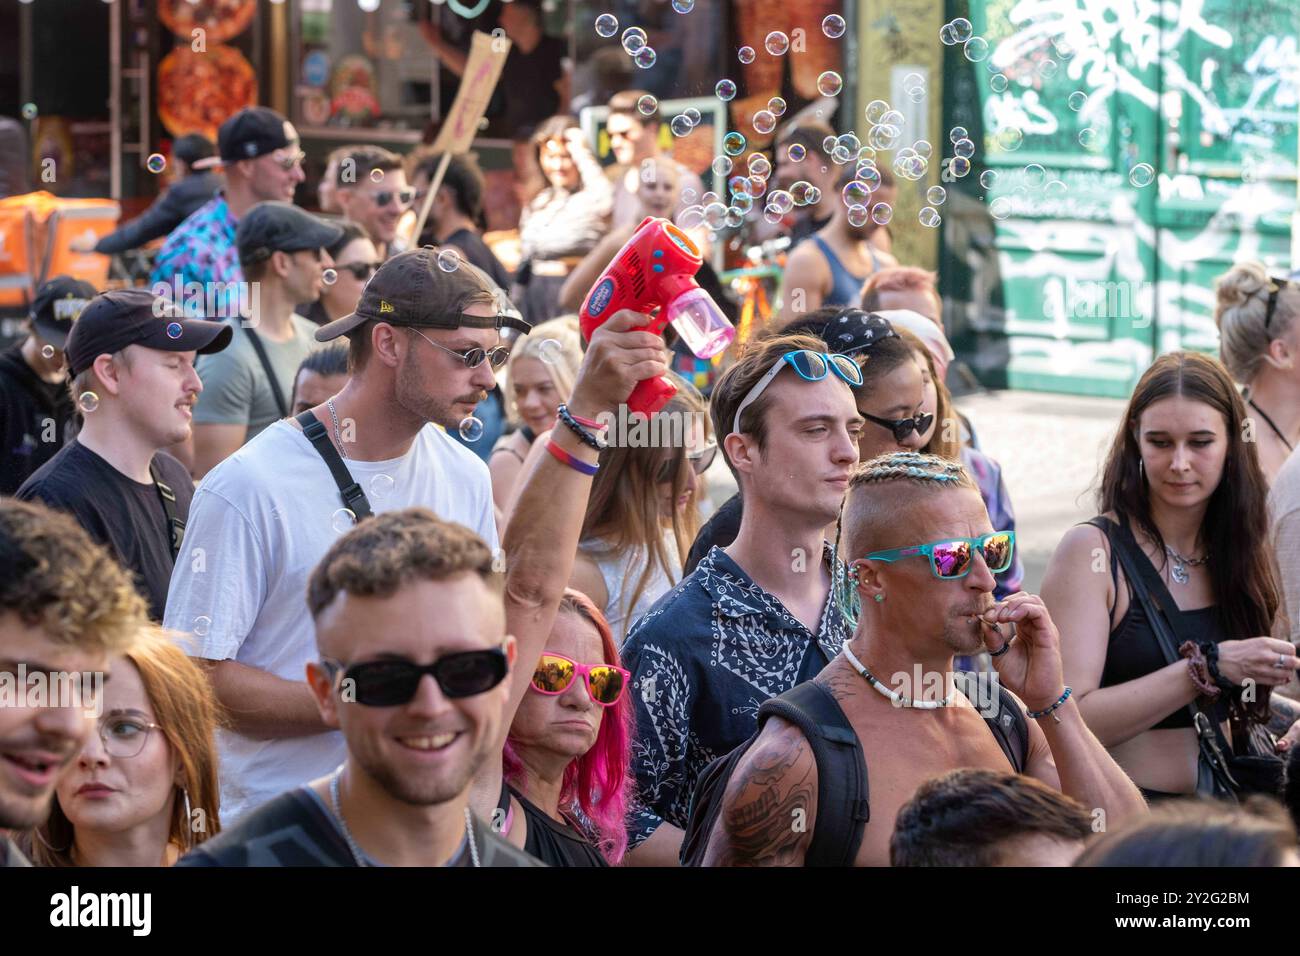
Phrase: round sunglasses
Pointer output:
(474, 357)
(953, 558)
(555, 673)
(902, 427)
(391, 683)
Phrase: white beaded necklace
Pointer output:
(898, 699)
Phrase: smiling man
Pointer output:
(65, 607)
(131, 361)
(371, 189)
(412, 663)
(423, 345)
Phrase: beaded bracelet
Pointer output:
(589, 422)
(1198, 668)
(585, 436)
(562, 456)
(1051, 710)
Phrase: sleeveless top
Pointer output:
(846, 288)
(552, 842)
(503, 443)
(1133, 650)
(621, 569)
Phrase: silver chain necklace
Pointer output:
(338, 439)
(898, 699)
(1179, 570)
(352, 844)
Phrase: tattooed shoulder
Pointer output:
(770, 804)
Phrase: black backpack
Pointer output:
(843, 809)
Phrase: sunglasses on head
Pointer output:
(1271, 306)
(700, 461)
(811, 367)
(385, 196)
(902, 427)
(474, 357)
(391, 683)
(952, 558)
(361, 271)
(555, 674)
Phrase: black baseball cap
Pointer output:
(253, 132)
(413, 289)
(113, 320)
(193, 147)
(281, 227)
(58, 302)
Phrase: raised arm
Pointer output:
(449, 56)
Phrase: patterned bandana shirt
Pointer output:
(202, 250)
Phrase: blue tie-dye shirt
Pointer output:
(200, 257)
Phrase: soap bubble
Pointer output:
(680, 125)
(759, 165)
(689, 195)
(772, 214)
(343, 520)
(1010, 138)
(849, 142)
(947, 35)
(976, 49)
(156, 163)
(935, 195)
(683, 6)
(738, 184)
(858, 215)
(833, 26)
(957, 134)
(796, 152)
(782, 201)
(1035, 175)
(1088, 138)
(735, 216)
(884, 137)
(892, 118)
(828, 144)
(692, 114)
(742, 201)
(202, 624)
(174, 330)
(30, 111)
(47, 351)
(776, 105)
(634, 38)
(715, 214)
(709, 197)
(691, 216)
(964, 147)
(550, 351)
(733, 144)
(645, 57)
(776, 43)
(1048, 68)
(757, 186)
(875, 110)
(721, 165)
(962, 29)
(1077, 100)
(869, 177)
(329, 276)
(814, 196)
(830, 83)
(764, 121)
(1055, 190)
(916, 94)
(745, 54)
(923, 148)
(959, 166)
(881, 213)
(1000, 208)
(471, 429)
(646, 105)
(381, 486)
(725, 90)
(87, 402)
(998, 83)
(913, 80)
(1142, 175)
(929, 217)
(799, 192)
(376, 175)
(606, 25)
(448, 260)
(856, 193)
(989, 178)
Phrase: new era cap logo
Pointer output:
(385, 307)
(69, 308)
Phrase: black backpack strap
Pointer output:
(354, 498)
(278, 395)
(175, 526)
(843, 804)
(1006, 721)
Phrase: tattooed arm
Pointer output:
(768, 811)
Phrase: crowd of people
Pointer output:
(377, 584)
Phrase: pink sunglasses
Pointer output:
(555, 673)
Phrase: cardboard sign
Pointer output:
(487, 57)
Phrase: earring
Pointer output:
(1142, 468)
(879, 598)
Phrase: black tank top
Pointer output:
(552, 842)
(1133, 650)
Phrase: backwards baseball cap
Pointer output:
(58, 302)
(414, 289)
(114, 320)
(281, 227)
(253, 132)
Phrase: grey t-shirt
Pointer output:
(235, 387)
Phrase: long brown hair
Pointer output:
(1243, 577)
(187, 713)
(623, 510)
(942, 442)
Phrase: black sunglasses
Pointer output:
(361, 271)
(700, 462)
(902, 427)
(393, 683)
(1271, 307)
(385, 196)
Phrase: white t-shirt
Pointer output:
(259, 523)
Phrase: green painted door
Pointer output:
(1122, 161)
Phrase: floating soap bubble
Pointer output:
(1035, 175)
(550, 351)
(733, 144)
(776, 43)
(725, 90)
(759, 165)
(1010, 138)
(692, 114)
(868, 177)
(30, 111)
(745, 54)
(202, 624)
(764, 121)
(757, 186)
(174, 330)
(709, 197)
(735, 216)
(947, 35)
(381, 486)
(957, 134)
(976, 49)
(796, 152)
(830, 83)
(1048, 68)
(913, 80)
(772, 214)
(776, 105)
(691, 217)
(645, 57)
(916, 94)
(929, 217)
(448, 260)
(998, 83)
(87, 402)
(1142, 175)
(742, 201)
(689, 195)
(923, 148)
(856, 193)
(471, 429)
(680, 125)
(875, 110)
(343, 520)
(156, 163)
(935, 195)
(858, 216)
(715, 214)
(1055, 190)
(647, 105)
(722, 165)
(881, 213)
(738, 184)
(964, 147)
(683, 6)
(1000, 208)
(47, 351)
(1077, 100)
(833, 26)
(962, 29)
(814, 196)
(959, 167)
(892, 118)
(1088, 138)
(799, 192)
(782, 200)
(329, 276)
(829, 144)
(988, 178)
(849, 141)
(376, 175)
(606, 25)
(634, 38)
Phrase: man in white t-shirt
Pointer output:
(423, 344)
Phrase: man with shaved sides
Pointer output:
(921, 556)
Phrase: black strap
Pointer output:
(175, 526)
(1006, 722)
(1166, 621)
(278, 395)
(354, 499)
(843, 799)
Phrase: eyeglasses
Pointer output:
(1271, 306)
(902, 427)
(385, 196)
(124, 735)
(361, 271)
(393, 683)
(555, 674)
(700, 461)
(952, 558)
(811, 366)
(291, 161)
(474, 357)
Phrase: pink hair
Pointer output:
(596, 782)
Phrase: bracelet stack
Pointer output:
(1198, 666)
(1051, 710)
(1212, 663)
(562, 456)
(579, 427)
